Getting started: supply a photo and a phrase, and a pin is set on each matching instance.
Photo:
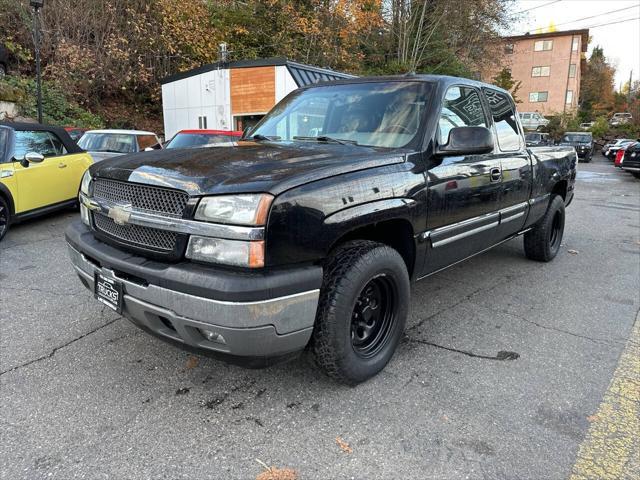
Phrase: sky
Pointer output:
(620, 41)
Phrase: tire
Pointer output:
(5, 217)
(542, 242)
(636, 174)
(362, 311)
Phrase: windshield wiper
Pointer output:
(324, 138)
(260, 137)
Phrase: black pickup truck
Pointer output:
(308, 232)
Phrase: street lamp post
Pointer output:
(37, 5)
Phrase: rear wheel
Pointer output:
(5, 217)
(362, 311)
(543, 241)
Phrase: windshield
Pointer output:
(194, 140)
(372, 114)
(532, 137)
(576, 138)
(108, 142)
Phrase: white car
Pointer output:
(532, 120)
(103, 144)
(620, 119)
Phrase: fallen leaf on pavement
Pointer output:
(192, 362)
(592, 418)
(344, 446)
(273, 473)
(573, 252)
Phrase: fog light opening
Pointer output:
(212, 336)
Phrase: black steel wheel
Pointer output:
(373, 316)
(362, 311)
(5, 217)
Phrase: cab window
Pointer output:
(462, 107)
(46, 144)
(504, 118)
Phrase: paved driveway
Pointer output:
(501, 374)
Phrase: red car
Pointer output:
(620, 154)
(203, 138)
(75, 133)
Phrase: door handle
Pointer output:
(496, 174)
(62, 165)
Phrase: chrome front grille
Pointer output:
(144, 237)
(152, 199)
(145, 197)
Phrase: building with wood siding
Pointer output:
(233, 95)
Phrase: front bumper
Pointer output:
(259, 316)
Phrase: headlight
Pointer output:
(85, 183)
(229, 252)
(251, 209)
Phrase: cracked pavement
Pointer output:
(503, 362)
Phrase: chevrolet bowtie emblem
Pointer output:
(120, 215)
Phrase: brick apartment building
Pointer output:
(549, 65)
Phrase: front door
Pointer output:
(463, 191)
(48, 182)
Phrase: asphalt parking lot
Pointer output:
(503, 373)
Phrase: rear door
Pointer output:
(515, 163)
(45, 183)
(463, 190)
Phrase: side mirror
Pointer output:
(31, 157)
(467, 141)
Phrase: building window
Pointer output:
(540, 71)
(202, 123)
(572, 70)
(569, 99)
(508, 48)
(543, 45)
(538, 97)
(575, 44)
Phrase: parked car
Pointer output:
(631, 160)
(533, 120)
(582, 142)
(102, 144)
(40, 171)
(610, 149)
(586, 125)
(620, 119)
(251, 252)
(203, 138)
(538, 139)
(75, 133)
(620, 154)
(4, 61)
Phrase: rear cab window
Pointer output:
(504, 119)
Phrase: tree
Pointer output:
(504, 80)
(597, 86)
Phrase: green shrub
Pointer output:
(57, 109)
(600, 128)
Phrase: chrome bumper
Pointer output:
(265, 328)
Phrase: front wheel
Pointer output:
(362, 311)
(5, 217)
(543, 241)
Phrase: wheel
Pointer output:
(542, 242)
(5, 217)
(636, 174)
(362, 311)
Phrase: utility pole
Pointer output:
(630, 77)
(37, 5)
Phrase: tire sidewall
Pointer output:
(380, 260)
(556, 207)
(5, 205)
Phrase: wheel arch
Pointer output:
(6, 194)
(390, 226)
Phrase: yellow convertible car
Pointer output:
(40, 170)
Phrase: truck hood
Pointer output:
(246, 167)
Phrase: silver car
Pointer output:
(532, 120)
(103, 144)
